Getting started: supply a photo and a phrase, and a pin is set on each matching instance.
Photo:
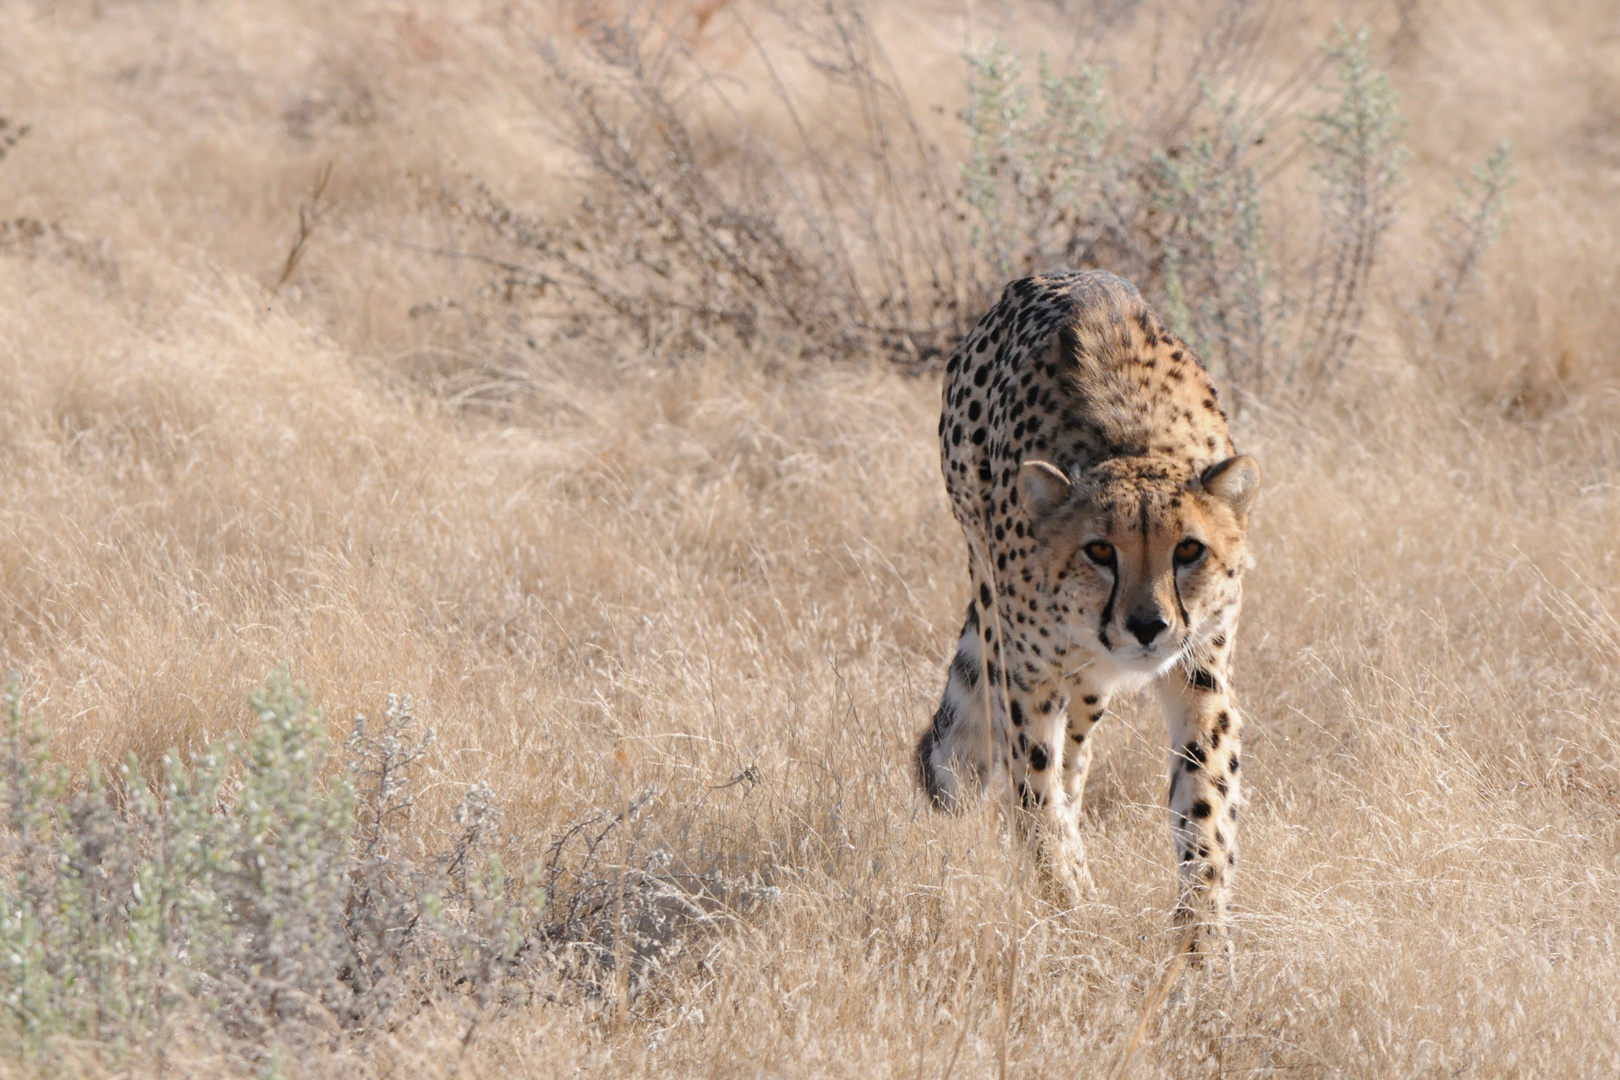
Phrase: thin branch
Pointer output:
(310, 213)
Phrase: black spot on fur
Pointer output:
(1017, 714)
(1038, 759)
(1200, 809)
(966, 669)
(1203, 680)
(1193, 755)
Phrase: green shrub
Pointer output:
(259, 890)
(1038, 185)
(1218, 288)
(1179, 208)
(1468, 228)
(1357, 149)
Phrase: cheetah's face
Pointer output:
(1140, 560)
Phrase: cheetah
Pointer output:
(1088, 462)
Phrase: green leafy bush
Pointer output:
(1041, 186)
(1468, 228)
(259, 891)
(1179, 208)
(1358, 147)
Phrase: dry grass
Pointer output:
(731, 579)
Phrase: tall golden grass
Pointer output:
(731, 578)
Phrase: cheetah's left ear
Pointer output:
(1042, 487)
(1235, 481)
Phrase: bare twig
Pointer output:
(310, 213)
(1150, 1008)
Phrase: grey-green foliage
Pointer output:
(259, 887)
(1469, 227)
(1040, 184)
(1217, 279)
(80, 907)
(266, 886)
(1357, 150)
(1065, 186)
(997, 104)
(1180, 209)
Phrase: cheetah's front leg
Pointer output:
(1086, 705)
(1204, 794)
(1046, 760)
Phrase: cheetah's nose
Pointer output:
(1146, 625)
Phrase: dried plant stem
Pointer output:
(968, 1023)
(621, 937)
(1150, 1008)
(1007, 994)
(310, 212)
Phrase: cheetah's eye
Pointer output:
(1188, 551)
(1100, 552)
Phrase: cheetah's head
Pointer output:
(1140, 558)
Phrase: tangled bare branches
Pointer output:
(694, 224)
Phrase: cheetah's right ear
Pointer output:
(1042, 487)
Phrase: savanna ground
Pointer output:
(712, 576)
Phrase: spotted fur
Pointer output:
(1089, 464)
